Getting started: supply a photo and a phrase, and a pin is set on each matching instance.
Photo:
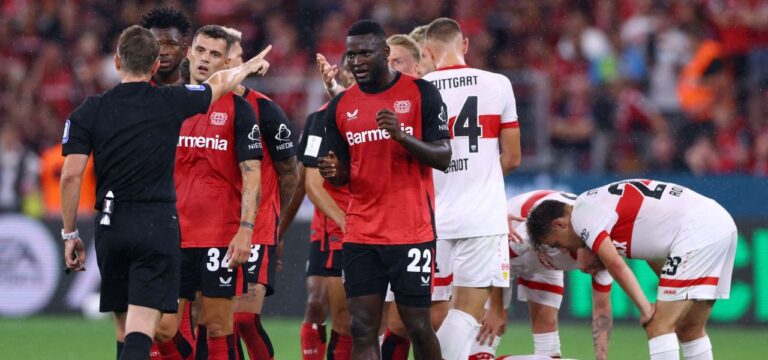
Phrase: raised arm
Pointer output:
(435, 153)
(227, 80)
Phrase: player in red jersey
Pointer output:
(384, 135)
(324, 284)
(279, 177)
(171, 28)
(217, 166)
(654, 221)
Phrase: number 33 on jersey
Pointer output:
(470, 193)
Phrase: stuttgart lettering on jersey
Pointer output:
(203, 142)
(455, 82)
(356, 138)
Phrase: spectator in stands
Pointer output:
(19, 167)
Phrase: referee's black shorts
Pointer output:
(139, 257)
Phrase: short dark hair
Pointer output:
(215, 32)
(138, 50)
(443, 29)
(365, 27)
(540, 220)
(165, 18)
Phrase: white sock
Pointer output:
(664, 347)
(457, 332)
(476, 349)
(699, 349)
(546, 344)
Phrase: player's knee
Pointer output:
(315, 312)
(217, 328)
(363, 332)
(166, 330)
(688, 332)
(420, 332)
(659, 326)
(341, 321)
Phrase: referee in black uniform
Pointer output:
(132, 130)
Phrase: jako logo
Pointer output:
(352, 115)
(203, 142)
(373, 135)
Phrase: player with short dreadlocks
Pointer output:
(171, 27)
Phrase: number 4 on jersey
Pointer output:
(468, 124)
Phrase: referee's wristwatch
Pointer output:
(70, 236)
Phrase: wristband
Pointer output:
(70, 236)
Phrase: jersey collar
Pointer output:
(452, 67)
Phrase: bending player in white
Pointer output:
(652, 220)
(540, 283)
(470, 209)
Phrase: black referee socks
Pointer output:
(136, 346)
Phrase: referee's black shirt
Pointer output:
(132, 130)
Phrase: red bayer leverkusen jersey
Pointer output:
(278, 144)
(392, 194)
(207, 175)
(316, 227)
(331, 234)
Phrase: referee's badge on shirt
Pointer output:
(218, 118)
(65, 137)
(194, 87)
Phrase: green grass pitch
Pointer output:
(73, 338)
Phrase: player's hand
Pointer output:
(328, 71)
(387, 120)
(74, 254)
(239, 249)
(279, 256)
(512, 221)
(646, 315)
(588, 262)
(257, 64)
(494, 324)
(328, 165)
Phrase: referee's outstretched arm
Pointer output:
(225, 81)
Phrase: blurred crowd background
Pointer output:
(602, 86)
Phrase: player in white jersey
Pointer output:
(540, 284)
(470, 211)
(652, 220)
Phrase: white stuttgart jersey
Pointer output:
(644, 218)
(523, 259)
(470, 195)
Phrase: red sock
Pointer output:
(340, 347)
(256, 339)
(154, 352)
(168, 350)
(312, 341)
(221, 347)
(185, 337)
(394, 347)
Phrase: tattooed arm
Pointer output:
(602, 322)
(288, 179)
(240, 246)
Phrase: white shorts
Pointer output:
(443, 281)
(699, 273)
(479, 261)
